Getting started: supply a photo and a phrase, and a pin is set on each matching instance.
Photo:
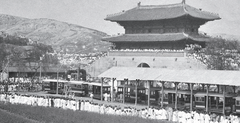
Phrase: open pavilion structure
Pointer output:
(204, 77)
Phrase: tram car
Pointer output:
(236, 108)
(183, 97)
(130, 93)
(215, 101)
(79, 88)
(95, 89)
(50, 85)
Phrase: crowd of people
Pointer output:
(19, 84)
(20, 87)
(89, 58)
(167, 114)
(23, 80)
(148, 50)
(194, 52)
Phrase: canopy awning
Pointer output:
(78, 82)
(212, 94)
(188, 92)
(99, 84)
(55, 80)
(214, 77)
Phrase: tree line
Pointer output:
(20, 53)
(220, 54)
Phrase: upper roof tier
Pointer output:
(159, 12)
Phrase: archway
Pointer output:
(143, 65)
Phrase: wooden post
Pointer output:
(191, 97)
(234, 89)
(149, 92)
(125, 80)
(207, 98)
(217, 99)
(136, 93)
(113, 79)
(203, 85)
(176, 94)
(224, 100)
(57, 82)
(102, 89)
(162, 94)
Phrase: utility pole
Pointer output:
(40, 76)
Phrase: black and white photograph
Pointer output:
(119, 61)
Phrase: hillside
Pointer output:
(62, 36)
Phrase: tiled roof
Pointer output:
(155, 37)
(159, 12)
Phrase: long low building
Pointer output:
(220, 78)
(215, 77)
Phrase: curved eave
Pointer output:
(154, 38)
(186, 14)
(151, 19)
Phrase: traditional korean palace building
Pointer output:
(156, 37)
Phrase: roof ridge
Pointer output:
(153, 34)
(115, 14)
(159, 6)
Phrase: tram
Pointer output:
(50, 85)
(215, 101)
(79, 88)
(95, 89)
(130, 92)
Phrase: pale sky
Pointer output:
(91, 13)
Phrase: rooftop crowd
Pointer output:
(148, 50)
(231, 57)
(79, 58)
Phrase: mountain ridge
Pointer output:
(70, 38)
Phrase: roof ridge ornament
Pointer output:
(184, 6)
(183, 1)
(185, 34)
(139, 4)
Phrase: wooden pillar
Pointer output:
(224, 100)
(125, 80)
(149, 92)
(207, 98)
(217, 99)
(113, 79)
(203, 85)
(210, 103)
(191, 96)
(162, 94)
(234, 106)
(176, 94)
(102, 89)
(136, 93)
(234, 89)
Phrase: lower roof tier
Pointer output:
(156, 37)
